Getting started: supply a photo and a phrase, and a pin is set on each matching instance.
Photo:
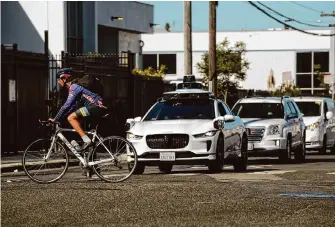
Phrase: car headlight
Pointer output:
(131, 136)
(274, 130)
(206, 134)
(313, 126)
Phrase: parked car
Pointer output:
(274, 125)
(319, 118)
(188, 126)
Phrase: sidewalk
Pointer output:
(11, 163)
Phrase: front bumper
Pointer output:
(268, 146)
(198, 151)
(314, 139)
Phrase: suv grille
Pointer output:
(168, 141)
(255, 134)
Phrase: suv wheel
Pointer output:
(140, 167)
(300, 153)
(323, 150)
(165, 167)
(216, 166)
(240, 165)
(286, 156)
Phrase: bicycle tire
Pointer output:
(97, 172)
(65, 154)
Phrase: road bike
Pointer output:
(105, 152)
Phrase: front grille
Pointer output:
(255, 134)
(167, 141)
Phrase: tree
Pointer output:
(231, 67)
(150, 72)
(287, 89)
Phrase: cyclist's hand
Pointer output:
(52, 120)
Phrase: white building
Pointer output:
(286, 52)
(75, 27)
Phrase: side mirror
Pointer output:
(137, 119)
(229, 118)
(129, 123)
(218, 123)
(329, 115)
(302, 115)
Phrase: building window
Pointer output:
(170, 61)
(306, 76)
(149, 60)
(74, 27)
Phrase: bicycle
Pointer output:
(88, 158)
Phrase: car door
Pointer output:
(294, 122)
(330, 124)
(227, 130)
(237, 130)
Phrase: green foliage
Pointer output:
(231, 67)
(150, 72)
(286, 89)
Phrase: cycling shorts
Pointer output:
(91, 111)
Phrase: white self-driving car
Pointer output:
(319, 118)
(188, 126)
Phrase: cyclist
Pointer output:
(91, 104)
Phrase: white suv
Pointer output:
(275, 127)
(320, 122)
(188, 126)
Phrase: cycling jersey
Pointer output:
(81, 94)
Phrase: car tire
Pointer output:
(300, 152)
(323, 150)
(241, 164)
(165, 167)
(140, 167)
(285, 157)
(216, 166)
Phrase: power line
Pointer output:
(283, 23)
(292, 19)
(306, 7)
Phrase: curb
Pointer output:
(11, 167)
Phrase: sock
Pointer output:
(86, 139)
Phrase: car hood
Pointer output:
(172, 126)
(311, 120)
(265, 122)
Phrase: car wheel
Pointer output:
(140, 167)
(286, 156)
(216, 166)
(240, 165)
(165, 167)
(300, 153)
(323, 150)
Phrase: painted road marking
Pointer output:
(331, 173)
(274, 172)
(317, 195)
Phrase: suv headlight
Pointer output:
(274, 130)
(206, 134)
(313, 126)
(131, 136)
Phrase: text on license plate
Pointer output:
(250, 146)
(167, 156)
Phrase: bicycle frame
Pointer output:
(58, 134)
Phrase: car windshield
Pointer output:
(182, 109)
(310, 109)
(259, 110)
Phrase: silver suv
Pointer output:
(275, 127)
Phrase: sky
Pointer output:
(239, 15)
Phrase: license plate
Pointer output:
(250, 146)
(167, 156)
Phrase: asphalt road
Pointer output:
(190, 196)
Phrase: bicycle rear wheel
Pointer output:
(112, 156)
(43, 170)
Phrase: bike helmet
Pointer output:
(65, 73)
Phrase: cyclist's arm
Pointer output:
(70, 103)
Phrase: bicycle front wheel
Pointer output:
(40, 169)
(111, 158)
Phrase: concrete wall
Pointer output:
(137, 16)
(129, 41)
(24, 23)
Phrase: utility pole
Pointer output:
(188, 37)
(212, 48)
(331, 53)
